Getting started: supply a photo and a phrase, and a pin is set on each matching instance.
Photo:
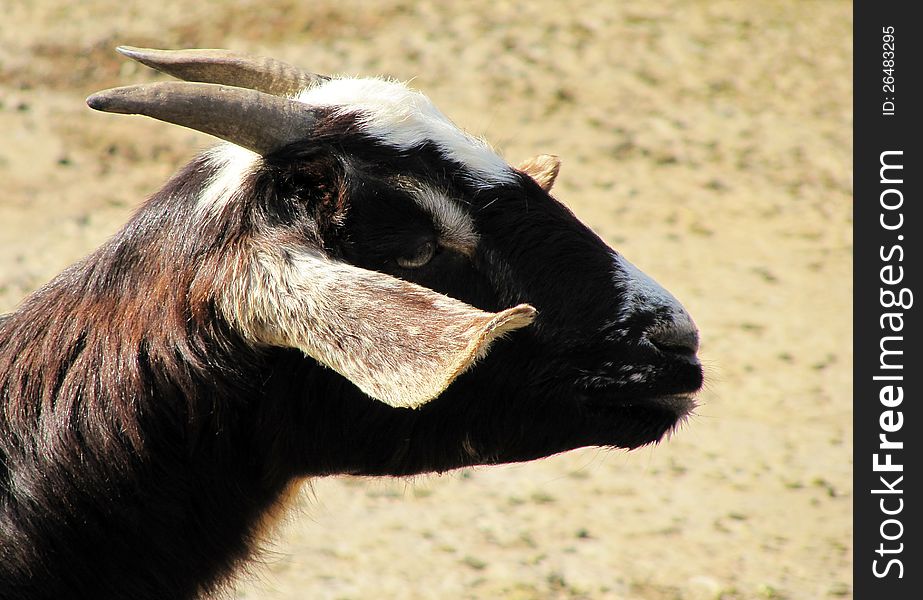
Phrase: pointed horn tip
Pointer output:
(108, 101)
(131, 51)
(98, 101)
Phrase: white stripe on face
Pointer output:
(403, 118)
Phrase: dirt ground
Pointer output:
(710, 142)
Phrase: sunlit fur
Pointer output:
(230, 166)
(402, 118)
(455, 227)
(398, 342)
(159, 398)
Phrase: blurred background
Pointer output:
(708, 141)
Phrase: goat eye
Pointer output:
(421, 255)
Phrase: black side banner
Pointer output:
(888, 371)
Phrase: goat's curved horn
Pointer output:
(255, 120)
(227, 68)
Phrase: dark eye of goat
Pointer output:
(420, 255)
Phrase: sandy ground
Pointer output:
(710, 142)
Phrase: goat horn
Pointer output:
(249, 118)
(227, 68)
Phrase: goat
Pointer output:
(349, 284)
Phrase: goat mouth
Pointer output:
(679, 404)
(634, 422)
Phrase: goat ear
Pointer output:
(398, 342)
(543, 169)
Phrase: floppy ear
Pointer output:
(543, 169)
(398, 342)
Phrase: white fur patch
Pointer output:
(232, 165)
(455, 227)
(404, 118)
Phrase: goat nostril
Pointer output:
(678, 340)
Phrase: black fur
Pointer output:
(142, 440)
